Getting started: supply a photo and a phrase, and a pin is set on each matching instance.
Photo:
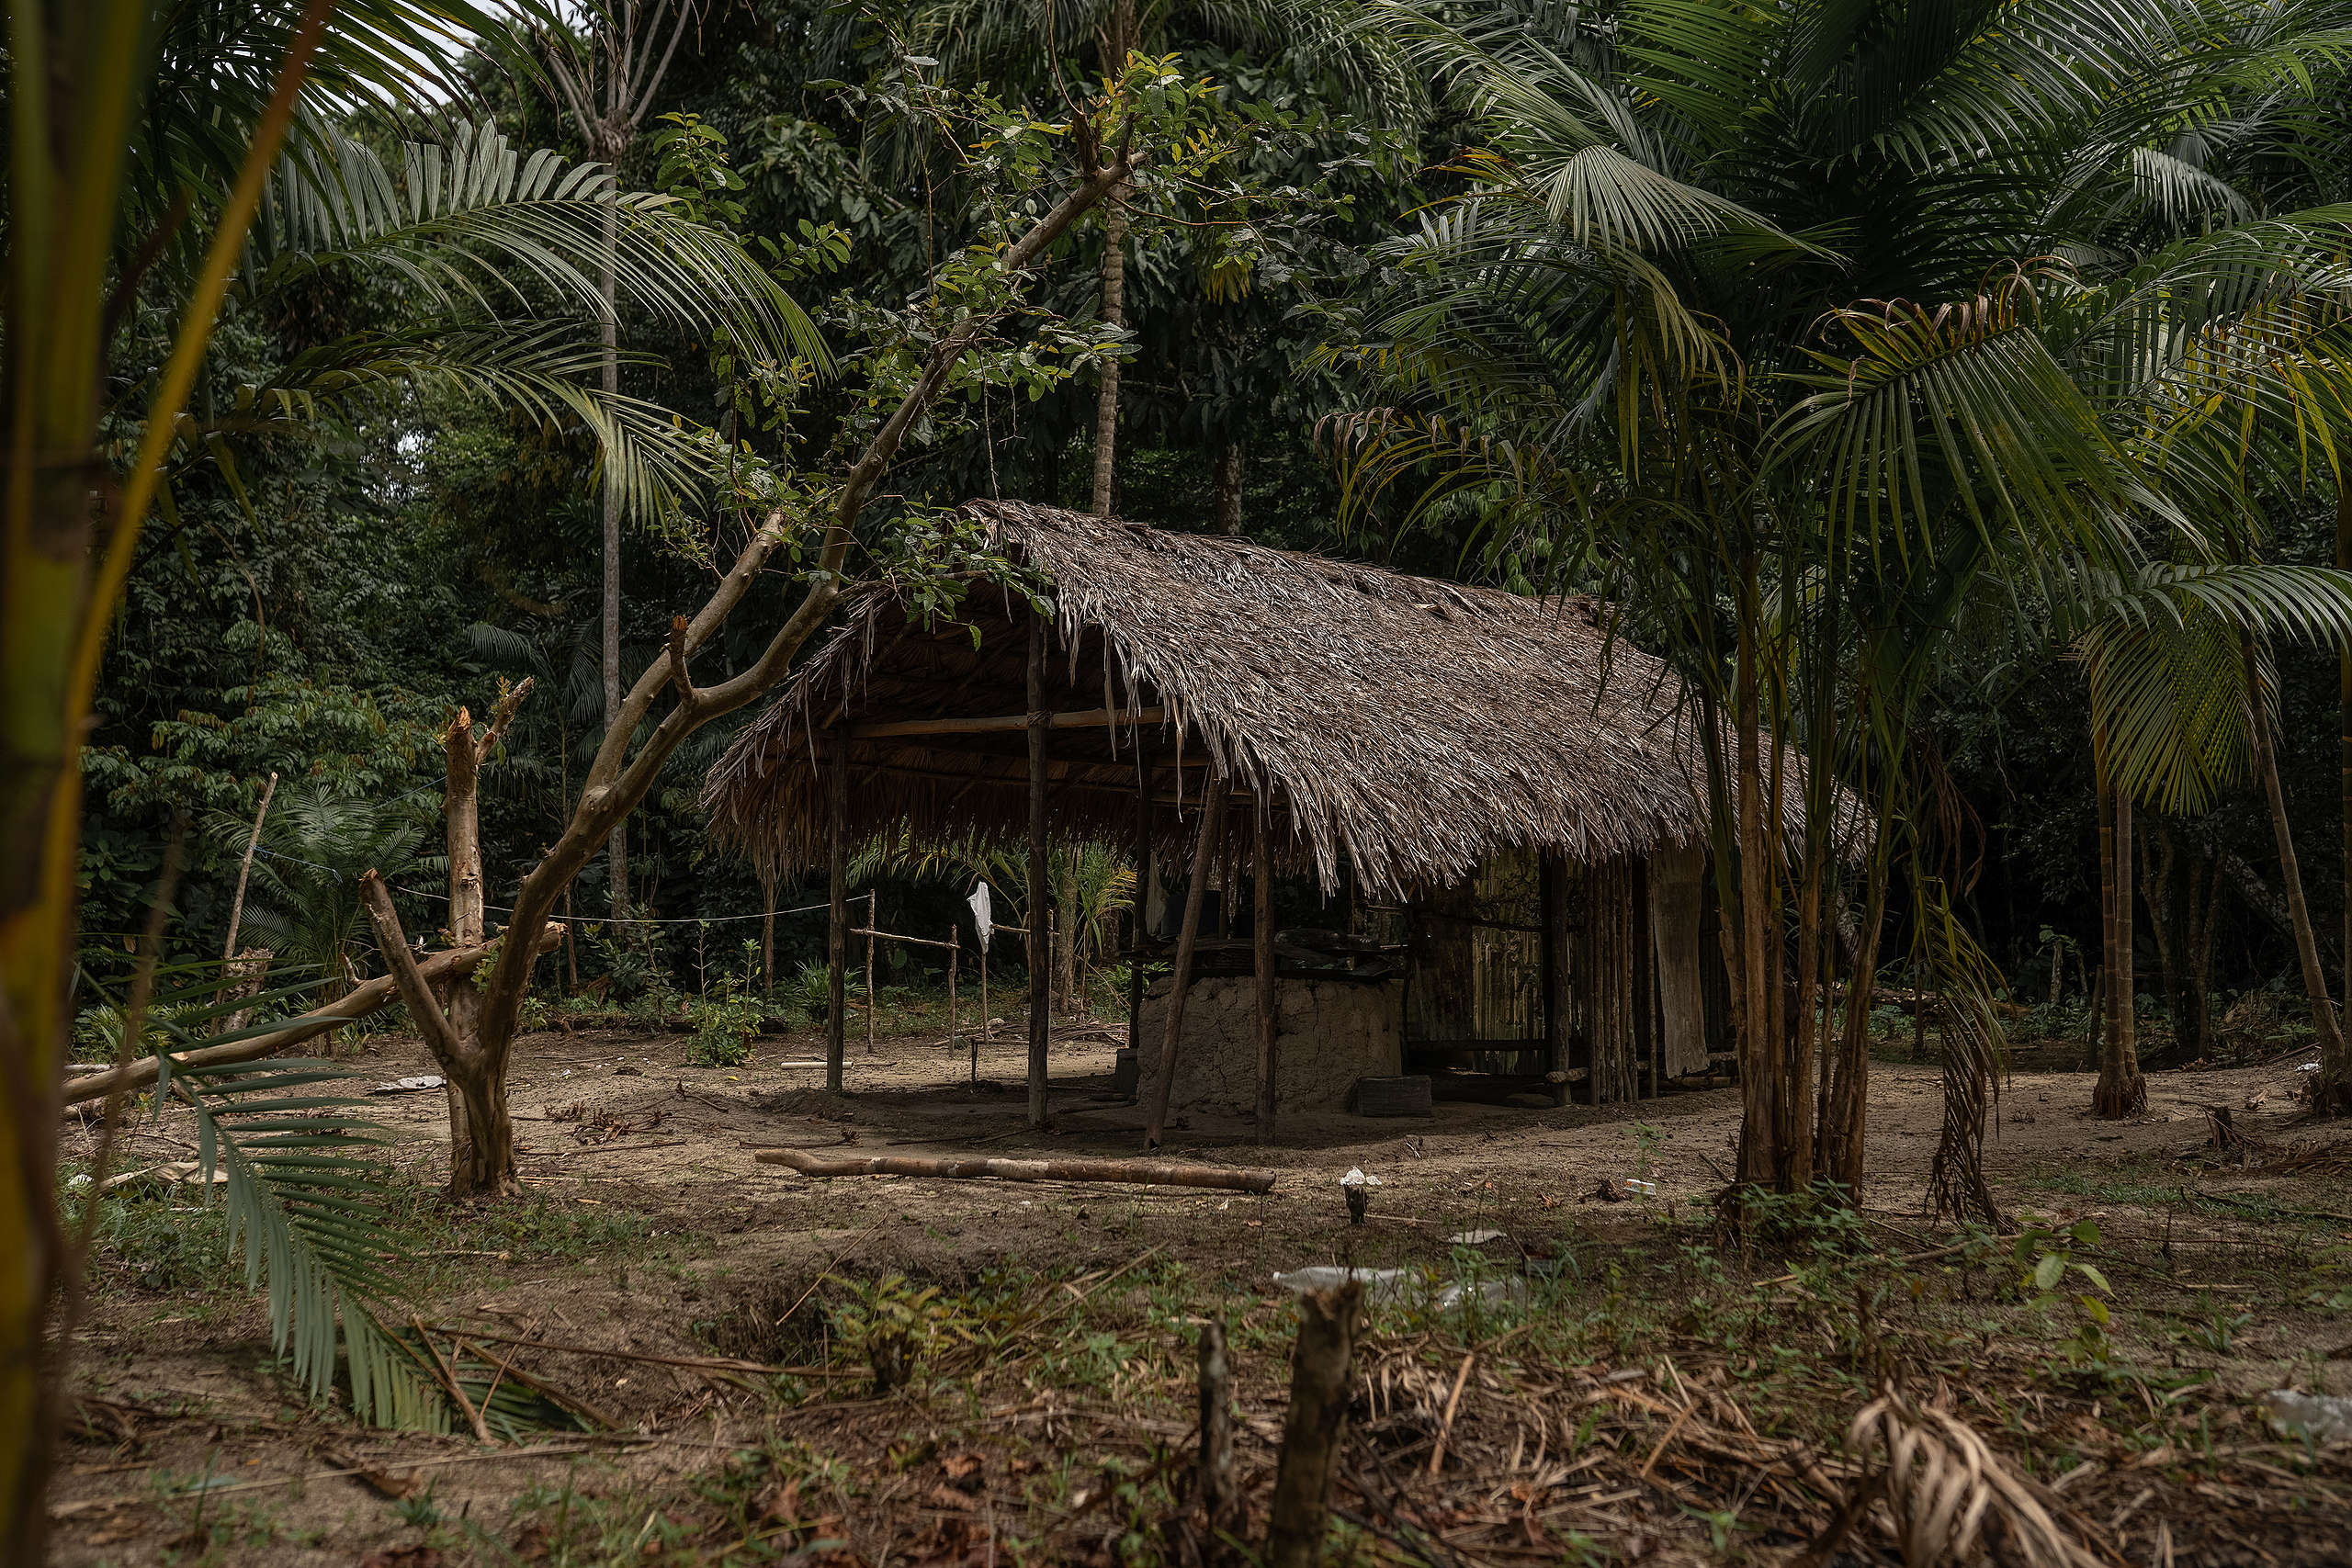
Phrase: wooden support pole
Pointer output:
(767, 935)
(1137, 907)
(1554, 897)
(1187, 935)
(1261, 880)
(1041, 980)
(837, 926)
(1315, 1428)
(1645, 985)
(872, 922)
(955, 950)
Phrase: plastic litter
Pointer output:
(409, 1086)
(2322, 1417)
(1473, 1238)
(1384, 1286)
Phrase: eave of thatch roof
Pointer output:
(1405, 726)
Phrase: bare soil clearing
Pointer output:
(1044, 1409)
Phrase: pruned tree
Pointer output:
(667, 704)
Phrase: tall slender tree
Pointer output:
(607, 67)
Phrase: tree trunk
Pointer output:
(609, 370)
(481, 1135)
(1118, 37)
(2331, 1089)
(2344, 726)
(2165, 870)
(245, 870)
(2121, 1091)
(1227, 481)
(1763, 1162)
(1846, 1092)
(1799, 1096)
(1220, 1494)
(2197, 948)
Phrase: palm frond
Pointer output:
(656, 462)
(1962, 408)
(477, 228)
(303, 1209)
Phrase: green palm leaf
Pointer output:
(303, 1200)
(478, 227)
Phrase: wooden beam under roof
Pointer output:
(1003, 723)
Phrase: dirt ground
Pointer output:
(652, 1232)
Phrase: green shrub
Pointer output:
(724, 1025)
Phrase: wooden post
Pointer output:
(873, 924)
(1263, 944)
(1212, 816)
(955, 950)
(1041, 979)
(837, 931)
(1315, 1428)
(767, 933)
(1645, 983)
(570, 946)
(1555, 896)
(1140, 908)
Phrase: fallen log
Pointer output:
(1145, 1172)
(368, 996)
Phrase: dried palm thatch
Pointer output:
(1404, 728)
(1945, 1495)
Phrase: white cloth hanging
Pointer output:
(982, 920)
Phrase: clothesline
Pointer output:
(572, 920)
(624, 920)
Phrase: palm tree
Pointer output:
(606, 71)
(149, 136)
(1803, 331)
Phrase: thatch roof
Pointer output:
(1405, 727)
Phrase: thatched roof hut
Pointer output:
(1403, 727)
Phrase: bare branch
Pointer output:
(368, 996)
(501, 715)
(431, 1021)
(652, 84)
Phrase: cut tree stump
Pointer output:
(1315, 1428)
